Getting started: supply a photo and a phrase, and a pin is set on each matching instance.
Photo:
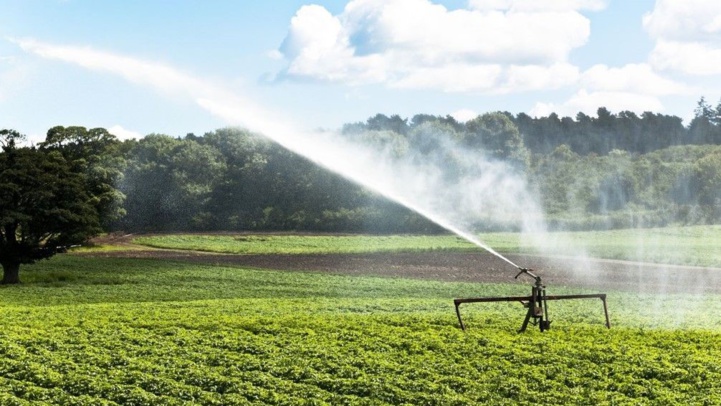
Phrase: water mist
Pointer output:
(454, 187)
(479, 191)
(483, 191)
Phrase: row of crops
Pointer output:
(146, 332)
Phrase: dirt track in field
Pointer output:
(466, 267)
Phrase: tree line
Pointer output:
(584, 134)
(609, 171)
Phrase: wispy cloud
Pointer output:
(137, 71)
(168, 80)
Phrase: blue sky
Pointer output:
(173, 67)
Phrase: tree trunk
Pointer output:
(11, 273)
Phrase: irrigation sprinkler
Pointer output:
(536, 303)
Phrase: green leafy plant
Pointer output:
(130, 331)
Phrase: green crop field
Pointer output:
(103, 331)
(698, 245)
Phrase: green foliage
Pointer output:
(168, 182)
(231, 179)
(98, 156)
(45, 206)
(677, 185)
(707, 171)
(606, 172)
(498, 135)
(607, 131)
(122, 331)
(610, 172)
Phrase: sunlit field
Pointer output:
(696, 245)
(360, 202)
(84, 330)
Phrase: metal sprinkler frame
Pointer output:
(536, 303)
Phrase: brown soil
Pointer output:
(464, 267)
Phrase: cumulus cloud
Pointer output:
(694, 58)
(124, 134)
(501, 46)
(687, 34)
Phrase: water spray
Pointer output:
(348, 160)
(351, 160)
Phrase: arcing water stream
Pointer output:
(450, 227)
(490, 190)
(485, 193)
(481, 191)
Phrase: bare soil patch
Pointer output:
(596, 274)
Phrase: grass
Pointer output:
(103, 331)
(298, 244)
(697, 245)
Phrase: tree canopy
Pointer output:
(51, 197)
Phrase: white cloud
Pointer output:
(318, 49)
(134, 70)
(464, 115)
(631, 78)
(511, 46)
(687, 20)
(124, 134)
(689, 57)
(687, 34)
(589, 102)
(452, 78)
(632, 87)
(535, 77)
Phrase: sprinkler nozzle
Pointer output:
(528, 272)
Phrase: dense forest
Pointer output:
(609, 171)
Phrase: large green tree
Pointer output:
(45, 205)
(98, 156)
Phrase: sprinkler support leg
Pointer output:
(605, 310)
(458, 313)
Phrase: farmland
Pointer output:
(697, 245)
(94, 329)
